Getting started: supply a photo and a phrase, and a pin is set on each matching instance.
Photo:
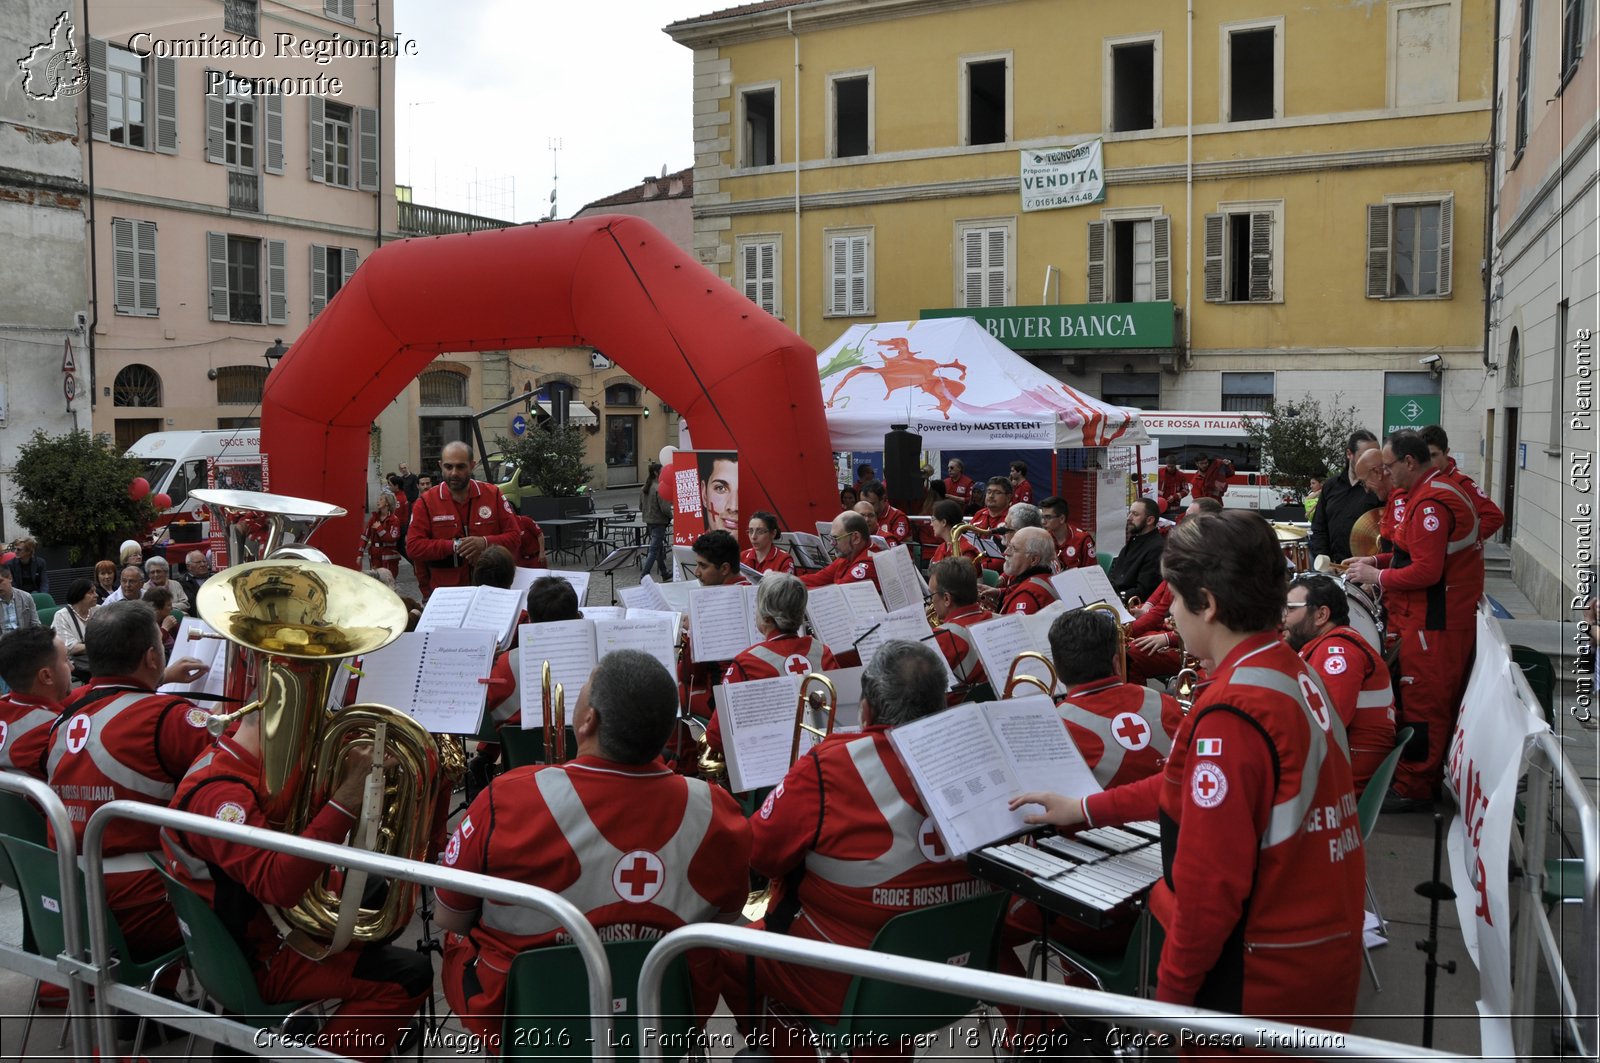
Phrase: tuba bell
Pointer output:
(300, 620)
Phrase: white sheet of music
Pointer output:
(569, 646)
(656, 636)
(446, 607)
(435, 677)
(603, 612)
(897, 578)
(910, 623)
(758, 730)
(722, 622)
(683, 564)
(479, 608)
(864, 600)
(523, 578)
(963, 775)
(847, 683)
(999, 640)
(752, 574)
(1085, 586)
(674, 595)
(1041, 750)
(579, 580)
(644, 596)
(830, 616)
(208, 651)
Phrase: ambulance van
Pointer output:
(176, 463)
(1190, 433)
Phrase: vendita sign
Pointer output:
(1070, 177)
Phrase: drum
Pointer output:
(1293, 541)
(1365, 616)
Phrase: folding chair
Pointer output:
(1367, 809)
(547, 1003)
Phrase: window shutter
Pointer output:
(1097, 262)
(166, 71)
(316, 108)
(98, 122)
(144, 251)
(272, 106)
(972, 268)
(1213, 249)
(995, 270)
(1161, 250)
(858, 274)
(351, 260)
(752, 273)
(839, 275)
(1378, 250)
(124, 266)
(319, 278)
(1261, 257)
(769, 272)
(216, 120)
(367, 148)
(277, 282)
(217, 274)
(1447, 214)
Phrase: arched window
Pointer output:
(240, 385)
(442, 387)
(622, 395)
(1514, 361)
(136, 385)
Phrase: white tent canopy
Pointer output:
(959, 388)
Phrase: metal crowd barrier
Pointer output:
(65, 971)
(1046, 997)
(1535, 934)
(97, 969)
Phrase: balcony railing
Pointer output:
(244, 191)
(436, 221)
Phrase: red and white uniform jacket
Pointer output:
(25, 732)
(1031, 593)
(942, 551)
(775, 561)
(857, 568)
(577, 829)
(894, 526)
(986, 519)
(1490, 519)
(1265, 872)
(1434, 577)
(1022, 491)
(1357, 682)
(1077, 550)
(954, 638)
(959, 489)
(874, 854)
(238, 879)
(1213, 483)
(1393, 516)
(530, 544)
(118, 740)
(437, 521)
(778, 654)
(1171, 485)
(1151, 619)
(383, 540)
(1123, 730)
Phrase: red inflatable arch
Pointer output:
(741, 379)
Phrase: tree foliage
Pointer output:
(1302, 438)
(72, 491)
(552, 456)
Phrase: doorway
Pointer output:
(435, 433)
(129, 430)
(622, 450)
(1508, 493)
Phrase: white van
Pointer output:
(1189, 433)
(177, 462)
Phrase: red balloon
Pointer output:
(139, 488)
(162, 502)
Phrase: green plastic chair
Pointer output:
(1105, 560)
(1115, 972)
(1541, 676)
(219, 964)
(44, 600)
(1367, 808)
(990, 577)
(40, 875)
(1563, 881)
(547, 1002)
(965, 933)
(47, 615)
(20, 819)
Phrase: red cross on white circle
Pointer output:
(1318, 707)
(797, 664)
(638, 876)
(1209, 786)
(78, 733)
(1130, 731)
(930, 843)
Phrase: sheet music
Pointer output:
(648, 584)
(579, 580)
(675, 595)
(830, 616)
(603, 612)
(809, 551)
(639, 597)
(447, 607)
(897, 578)
(751, 574)
(985, 546)
(879, 543)
(722, 622)
(758, 730)
(999, 640)
(683, 563)
(569, 646)
(847, 683)
(1085, 586)
(435, 677)
(523, 578)
(963, 775)
(656, 636)
(491, 609)
(863, 599)
(208, 651)
(1041, 750)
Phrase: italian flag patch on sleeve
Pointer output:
(1208, 747)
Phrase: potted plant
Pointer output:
(73, 494)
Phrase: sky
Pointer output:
(495, 82)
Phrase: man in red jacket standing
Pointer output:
(454, 523)
(1490, 519)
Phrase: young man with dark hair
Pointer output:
(953, 594)
(996, 503)
(1021, 489)
(1211, 477)
(1075, 548)
(1490, 519)
(716, 559)
(893, 524)
(1345, 497)
(34, 664)
(1136, 571)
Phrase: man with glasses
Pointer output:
(853, 564)
(1432, 581)
(892, 523)
(953, 596)
(957, 484)
(1075, 548)
(1029, 564)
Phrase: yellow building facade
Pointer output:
(1299, 193)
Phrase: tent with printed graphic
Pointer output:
(959, 388)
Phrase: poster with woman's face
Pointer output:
(706, 489)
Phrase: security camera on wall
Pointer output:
(1430, 360)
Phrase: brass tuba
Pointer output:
(1015, 679)
(299, 620)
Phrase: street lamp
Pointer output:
(275, 353)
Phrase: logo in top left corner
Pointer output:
(55, 69)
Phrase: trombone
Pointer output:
(829, 701)
(1015, 679)
(1122, 630)
(553, 699)
(1186, 682)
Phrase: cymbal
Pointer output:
(1290, 533)
(1364, 534)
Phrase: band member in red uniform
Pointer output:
(780, 610)
(1075, 548)
(383, 536)
(1123, 730)
(953, 594)
(763, 556)
(117, 739)
(1431, 584)
(1021, 489)
(1262, 898)
(851, 542)
(550, 598)
(996, 502)
(958, 485)
(379, 987)
(1374, 474)
(869, 855)
(892, 523)
(716, 564)
(1317, 624)
(1030, 561)
(34, 664)
(1211, 477)
(455, 522)
(948, 515)
(577, 829)
(530, 544)
(1171, 484)
(1490, 519)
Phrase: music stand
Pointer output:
(609, 564)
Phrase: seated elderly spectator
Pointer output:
(17, 610)
(159, 573)
(130, 585)
(196, 570)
